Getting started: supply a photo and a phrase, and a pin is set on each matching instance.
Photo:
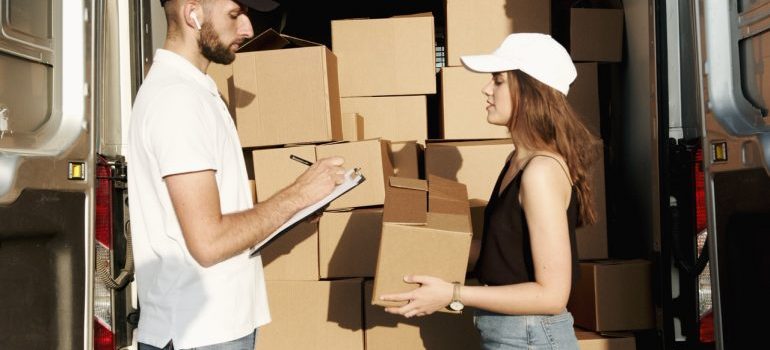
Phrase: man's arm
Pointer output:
(212, 237)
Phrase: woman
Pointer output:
(528, 256)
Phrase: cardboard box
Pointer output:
(389, 56)
(443, 331)
(387, 116)
(288, 95)
(613, 295)
(274, 170)
(253, 188)
(592, 240)
(463, 107)
(293, 256)
(223, 76)
(406, 157)
(477, 164)
(596, 34)
(372, 157)
(424, 237)
(478, 27)
(349, 242)
(584, 96)
(595, 341)
(477, 207)
(352, 127)
(318, 315)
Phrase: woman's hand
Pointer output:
(433, 294)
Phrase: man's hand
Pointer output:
(319, 180)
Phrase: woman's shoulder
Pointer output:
(547, 166)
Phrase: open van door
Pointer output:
(65, 77)
(718, 180)
(736, 146)
(46, 175)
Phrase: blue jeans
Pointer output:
(530, 332)
(245, 343)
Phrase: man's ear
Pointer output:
(192, 15)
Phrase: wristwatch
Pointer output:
(456, 304)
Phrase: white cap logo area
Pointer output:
(536, 54)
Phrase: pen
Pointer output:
(303, 161)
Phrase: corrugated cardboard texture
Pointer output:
(592, 240)
(442, 331)
(223, 77)
(253, 188)
(476, 164)
(380, 57)
(595, 341)
(372, 157)
(478, 27)
(352, 127)
(440, 248)
(448, 197)
(463, 107)
(287, 96)
(274, 170)
(294, 255)
(596, 35)
(407, 250)
(613, 295)
(406, 201)
(584, 96)
(410, 183)
(406, 157)
(272, 40)
(477, 222)
(387, 116)
(349, 242)
(318, 315)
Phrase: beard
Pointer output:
(212, 47)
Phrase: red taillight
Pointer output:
(700, 192)
(103, 225)
(104, 339)
(707, 328)
(102, 296)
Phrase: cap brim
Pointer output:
(487, 63)
(260, 5)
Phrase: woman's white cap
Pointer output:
(536, 54)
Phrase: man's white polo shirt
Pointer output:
(180, 124)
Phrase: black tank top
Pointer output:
(506, 255)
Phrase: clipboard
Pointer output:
(353, 178)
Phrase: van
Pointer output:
(683, 118)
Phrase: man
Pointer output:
(191, 210)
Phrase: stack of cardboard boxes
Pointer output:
(365, 100)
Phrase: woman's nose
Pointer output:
(487, 89)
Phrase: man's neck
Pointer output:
(189, 51)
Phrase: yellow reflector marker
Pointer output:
(77, 171)
(719, 151)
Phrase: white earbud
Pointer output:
(195, 19)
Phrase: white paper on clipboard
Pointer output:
(353, 178)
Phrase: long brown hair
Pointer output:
(542, 119)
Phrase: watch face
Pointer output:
(456, 306)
